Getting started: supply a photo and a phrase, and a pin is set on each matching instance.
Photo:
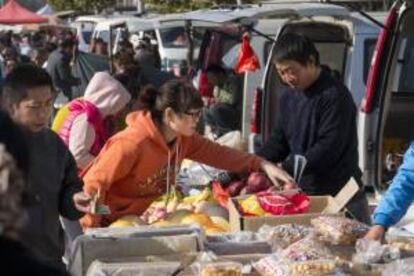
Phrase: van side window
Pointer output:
(333, 55)
(150, 34)
(406, 81)
(369, 47)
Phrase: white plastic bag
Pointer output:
(371, 252)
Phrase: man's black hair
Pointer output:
(216, 69)
(22, 78)
(295, 47)
(50, 47)
(67, 43)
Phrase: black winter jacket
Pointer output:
(320, 124)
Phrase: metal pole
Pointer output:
(140, 6)
(189, 35)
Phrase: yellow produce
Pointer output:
(201, 219)
(214, 230)
(221, 223)
(178, 216)
(251, 206)
(122, 223)
(163, 223)
(205, 195)
(128, 221)
(213, 209)
(185, 206)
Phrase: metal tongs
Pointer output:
(299, 166)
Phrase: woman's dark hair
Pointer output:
(295, 47)
(131, 80)
(179, 95)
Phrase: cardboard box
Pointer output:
(132, 242)
(318, 205)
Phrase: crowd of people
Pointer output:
(121, 144)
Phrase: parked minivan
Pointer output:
(386, 118)
(345, 41)
(85, 26)
(168, 32)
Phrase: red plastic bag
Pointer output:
(248, 60)
(219, 194)
(279, 204)
(204, 88)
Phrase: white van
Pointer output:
(85, 26)
(345, 41)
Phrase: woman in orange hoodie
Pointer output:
(137, 164)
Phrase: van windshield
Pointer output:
(175, 37)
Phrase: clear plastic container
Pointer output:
(339, 230)
(307, 249)
(317, 267)
(401, 239)
(280, 237)
(221, 269)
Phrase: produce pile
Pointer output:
(208, 208)
(175, 209)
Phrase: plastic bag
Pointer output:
(219, 194)
(307, 249)
(221, 268)
(248, 60)
(316, 268)
(370, 252)
(339, 230)
(283, 204)
(401, 239)
(251, 207)
(272, 266)
(282, 236)
(404, 267)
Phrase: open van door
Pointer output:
(386, 125)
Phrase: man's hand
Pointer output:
(82, 202)
(375, 233)
(290, 186)
(275, 173)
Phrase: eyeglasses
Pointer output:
(194, 114)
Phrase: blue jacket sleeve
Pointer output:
(400, 194)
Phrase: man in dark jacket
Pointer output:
(15, 258)
(52, 176)
(58, 66)
(316, 119)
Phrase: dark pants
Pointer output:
(357, 208)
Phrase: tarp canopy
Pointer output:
(86, 65)
(46, 10)
(13, 13)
